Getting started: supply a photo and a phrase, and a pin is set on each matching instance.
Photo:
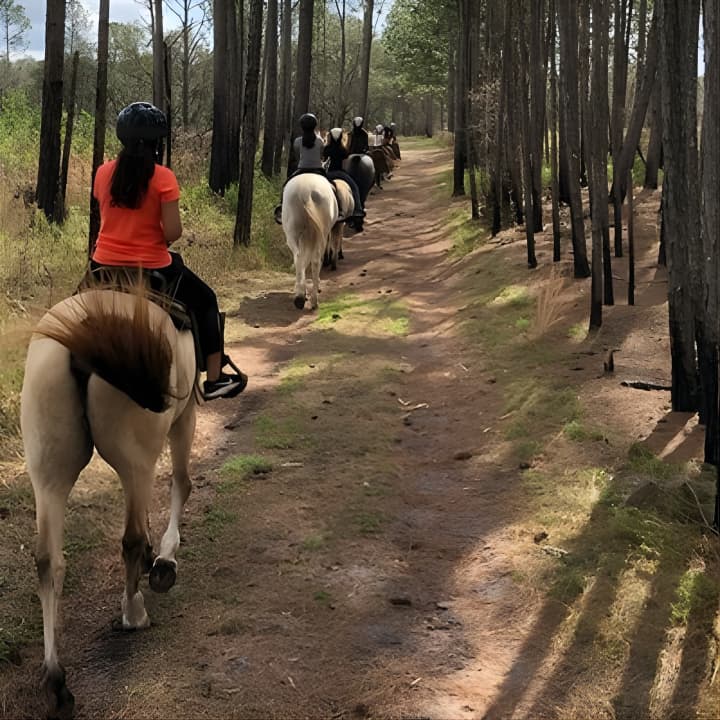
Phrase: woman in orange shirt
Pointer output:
(140, 219)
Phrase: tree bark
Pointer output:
(219, 179)
(51, 114)
(158, 56)
(553, 128)
(100, 117)
(536, 85)
(243, 220)
(365, 58)
(654, 151)
(460, 147)
(67, 145)
(598, 141)
(270, 132)
(303, 70)
(500, 123)
(285, 94)
(678, 28)
(569, 100)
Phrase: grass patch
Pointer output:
(383, 316)
(271, 433)
(240, 468)
(216, 520)
(696, 592)
(512, 296)
(314, 542)
(467, 234)
(643, 462)
(368, 522)
(576, 431)
(322, 597)
(578, 332)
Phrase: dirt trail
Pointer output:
(373, 571)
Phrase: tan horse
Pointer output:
(309, 213)
(347, 202)
(105, 370)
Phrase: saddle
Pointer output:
(161, 291)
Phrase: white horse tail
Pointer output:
(317, 236)
(116, 336)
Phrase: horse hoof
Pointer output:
(61, 702)
(163, 575)
(341, 256)
(299, 302)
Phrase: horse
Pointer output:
(361, 169)
(346, 201)
(383, 164)
(105, 370)
(309, 213)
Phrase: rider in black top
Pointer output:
(335, 151)
(359, 142)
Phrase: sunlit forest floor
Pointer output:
(430, 502)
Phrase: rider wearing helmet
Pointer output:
(308, 148)
(359, 142)
(379, 135)
(140, 219)
(336, 152)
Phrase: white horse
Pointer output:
(109, 370)
(309, 213)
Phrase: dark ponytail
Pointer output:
(308, 138)
(132, 176)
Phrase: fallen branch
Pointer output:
(642, 385)
(700, 510)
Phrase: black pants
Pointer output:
(189, 289)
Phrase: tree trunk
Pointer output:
(598, 124)
(536, 84)
(460, 146)
(51, 113)
(617, 118)
(631, 242)
(158, 56)
(285, 94)
(567, 22)
(469, 29)
(365, 58)
(553, 128)
(452, 74)
(710, 173)
(654, 151)
(303, 70)
(100, 117)
(186, 69)
(500, 123)
(270, 132)
(640, 104)
(219, 163)
(234, 35)
(167, 84)
(67, 145)
(678, 28)
(243, 221)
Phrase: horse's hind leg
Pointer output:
(315, 269)
(51, 495)
(135, 543)
(300, 290)
(164, 570)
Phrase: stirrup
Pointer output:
(227, 361)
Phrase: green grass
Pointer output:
(368, 522)
(314, 542)
(278, 434)
(240, 468)
(384, 316)
(216, 521)
(576, 431)
(696, 592)
(643, 462)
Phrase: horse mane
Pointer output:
(119, 343)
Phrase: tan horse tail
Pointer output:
(120, 342)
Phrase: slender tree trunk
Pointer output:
(270, 132)
(167, 65)
(51, 114)
(631, 242)
(500, 124)
(100, 117)
(598, 124)
(452, 76)
(654, 151)
(243, 221)
(186, 69)
(536, 85)
(460, 148)
(365, 58)
(67, 145)
(470, 30)
(219, 162)
(678, 28)
(284, 96)
(617, 118)
(569, 84)
(553, 128)
(640, 104)
(303, 69)
(158, 39)
(234, 77)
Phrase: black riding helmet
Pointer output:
(308, 122)
(139, 125)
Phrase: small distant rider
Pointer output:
(140, 219)
(359, 141)
(379, 136)
(336, 152)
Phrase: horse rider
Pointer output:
(336, 152)
(379, 136)
(140, 219)
(308, 149)
(359, 141)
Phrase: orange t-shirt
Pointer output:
(133, 237)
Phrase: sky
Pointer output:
(120, 11)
